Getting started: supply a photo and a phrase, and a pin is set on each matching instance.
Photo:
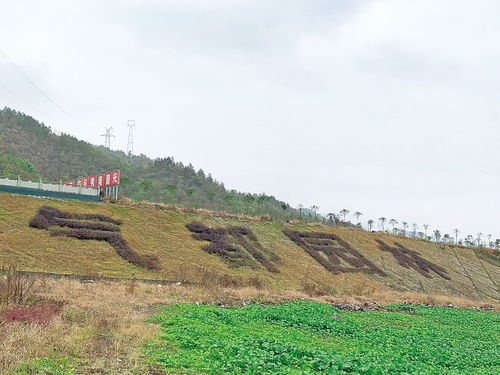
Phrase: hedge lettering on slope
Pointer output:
(332, 252)
(412, 259)
(91, 227)
(237, 246)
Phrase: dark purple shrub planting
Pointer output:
(237, 246)
(91, 227)
(412, 259)
(332, 252)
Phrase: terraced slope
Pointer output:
(280, 254)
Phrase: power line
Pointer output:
(20, 99)
(20, 72)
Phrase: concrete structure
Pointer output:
(42, 189)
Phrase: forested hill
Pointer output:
(30, 149)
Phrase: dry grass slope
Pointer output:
(157, 231)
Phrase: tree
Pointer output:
(147, 185)
(300, 207)
(489, 240)
(415, 227)
(382, 221)
(330, 217)
(469, 240)
(497, 243)
(344, 213)
(393, 222)
(456, 232)
(370, 224)
(479, 238)
(405, 225)
(229, 197)
(426, 226)
(314, 208)
(437, 235)
(446, 238)
(357, 214)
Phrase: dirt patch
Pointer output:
(370, 306)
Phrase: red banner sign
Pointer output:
(98, 181)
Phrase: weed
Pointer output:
(15, 287)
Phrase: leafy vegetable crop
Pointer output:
(306, 337)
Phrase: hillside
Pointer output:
(31, 150)
(280, 255)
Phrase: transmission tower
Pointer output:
(107, 137)
(130, 143)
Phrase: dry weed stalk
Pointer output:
(15, 287)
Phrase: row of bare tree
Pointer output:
(412, 230)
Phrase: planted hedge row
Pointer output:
(333, 253)
(237, 246)
(91, 227)
(412, 259)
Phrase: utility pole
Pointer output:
(130, 143)
(107, 137)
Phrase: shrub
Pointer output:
(412, 259)
(332, 252)
(91, 227)
(237, 246)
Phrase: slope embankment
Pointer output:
(157, 243)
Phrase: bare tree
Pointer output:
(456, 231)
(331, 218)
(426, 226)
(415, 227)
(405, 225)
(437, 235)
(393, 222)
(469, 240)
(357, 214)
(344, 213)
(370, 224)
(382, 221)
(479, 239)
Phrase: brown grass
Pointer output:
(102, 324)
(158, 231)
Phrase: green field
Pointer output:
(306, 337)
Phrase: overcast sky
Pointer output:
(389, 107)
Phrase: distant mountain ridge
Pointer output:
(31, 150)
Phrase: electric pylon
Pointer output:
(107, 137)
(130, 143)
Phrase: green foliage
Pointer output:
(32, 150)
(12, 167)
(305, 337)
(46, 366)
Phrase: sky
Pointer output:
(387, 107)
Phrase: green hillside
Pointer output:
(31, 150)
(190, 245)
